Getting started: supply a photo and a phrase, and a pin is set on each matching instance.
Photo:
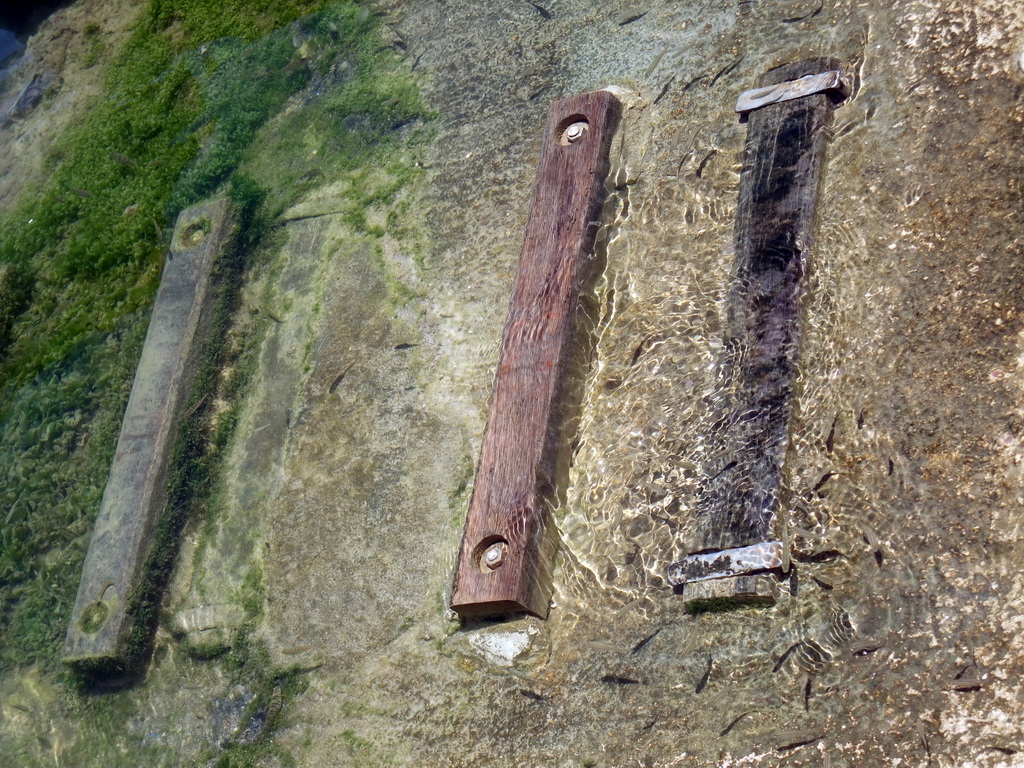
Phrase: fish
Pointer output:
(122, 159)
(338, 379)
(735, 721)
(631, 19)
(707, 676)
(643, 643)
(619, 680)
(794, 739)
(544, 12)
(531, 695)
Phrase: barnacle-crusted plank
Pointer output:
(135, 493)
(505, 559)
(782, 165)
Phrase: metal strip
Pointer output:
(808, 85)
(763, 556)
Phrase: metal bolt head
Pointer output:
(494, 555)
(575, 132)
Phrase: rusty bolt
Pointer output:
(494, 555)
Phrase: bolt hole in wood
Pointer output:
(93, 617)
(491, 554)
(195, 233)
(505, 561)
(572, 129)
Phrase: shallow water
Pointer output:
(896, 642)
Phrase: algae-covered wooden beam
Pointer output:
(507, 547)
(788, 125)
(135, 494)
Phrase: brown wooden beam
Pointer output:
(505, 559)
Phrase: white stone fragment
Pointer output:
(502, 648)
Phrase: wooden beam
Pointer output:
(505, 559)
(134, 498)
(782, 166)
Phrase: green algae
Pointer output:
(86, 249)
(183, 103)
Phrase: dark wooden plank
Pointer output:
(782, 167)
(133, 499)
(515, 479)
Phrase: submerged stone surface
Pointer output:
(903, 507)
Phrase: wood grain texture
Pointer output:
(515, 479)
(134, 497)
(782, 167)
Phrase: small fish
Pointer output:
(690, 644)
(80, 192)
(964, 684)
(122, 159)
(810, 15)
(655, 61)
(637, 17)
(195, 406)
(531, 695)
(544, 12)
(725, 71)
(794, 739)
(270, 314)
(298, 649)
(823, 582)
(664, 89)
(704, 163)
(600, 645)
(922, 734)
(824, 479)
(785, 655)
(703, 683)
(865, 648)
(693, 82)
(643, 643)
(619, 680)
(774, 631)
(274, 706)
(337, 381)
(735, 721)
(130, 210)
(400, 347)
(830, 441)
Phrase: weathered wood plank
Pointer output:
(505, 559)
(135, 493)
(782, 167)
